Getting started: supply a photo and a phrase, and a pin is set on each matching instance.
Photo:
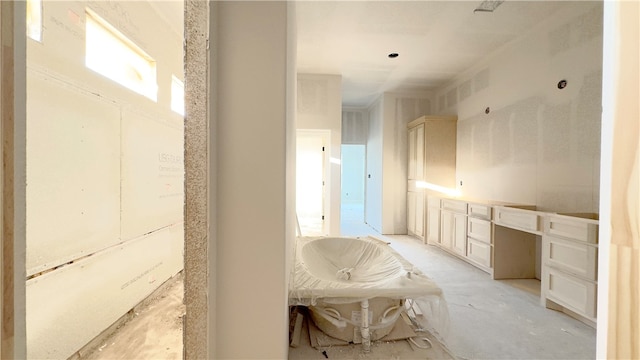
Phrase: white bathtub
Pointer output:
(334, 275)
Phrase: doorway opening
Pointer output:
(352, 198)
(311, 163)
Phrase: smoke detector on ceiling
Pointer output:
(488, 6)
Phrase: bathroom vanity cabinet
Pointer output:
(479, 236)
(433, 220)
(465, 229)
(431, 162)
(453, 226)
(570, 264)
(508, 241)
(511, 241)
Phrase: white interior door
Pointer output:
(310, 180)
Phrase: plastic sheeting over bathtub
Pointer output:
(340, 270)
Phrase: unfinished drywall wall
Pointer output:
(251, 178)
(104, 220)
(319, 99)
(386, 205)
(538, 144)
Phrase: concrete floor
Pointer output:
(154, 333)
(488, 319)
(497, 319)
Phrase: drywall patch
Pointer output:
(441, 103)
(501, 139)
(354, 127)
(590, 24)
(465, 90)
(481, 140)
(481, 80)
(559, 39)
(524, 122)
(464, 143)
(589, 116)
(576, 32)
(565, 199)
(556, 135)
(197, 249)
(452, 97)
(408, 109)
(313, 96)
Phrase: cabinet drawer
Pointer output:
(572, 228)
(569, 291)
(455, 206)
(574, 257)
(520, 219)
(479, 252)
(480, 211)
(479, 229)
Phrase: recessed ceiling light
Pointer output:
(393, 55)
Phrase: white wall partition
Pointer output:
(251, 137)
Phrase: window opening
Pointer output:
(177, 95)
(34, 19)
(110, 53)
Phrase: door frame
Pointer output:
(13, 105)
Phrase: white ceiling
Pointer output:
(435, 40)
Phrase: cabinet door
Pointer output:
(433, 225)
(419, 215)
(446, 229)
(412, 154)
(415, 213)
(416, 153)
(459, 238)
(420, 152)
(411, 212)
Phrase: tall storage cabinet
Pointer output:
(415, 195)
(431, 164)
